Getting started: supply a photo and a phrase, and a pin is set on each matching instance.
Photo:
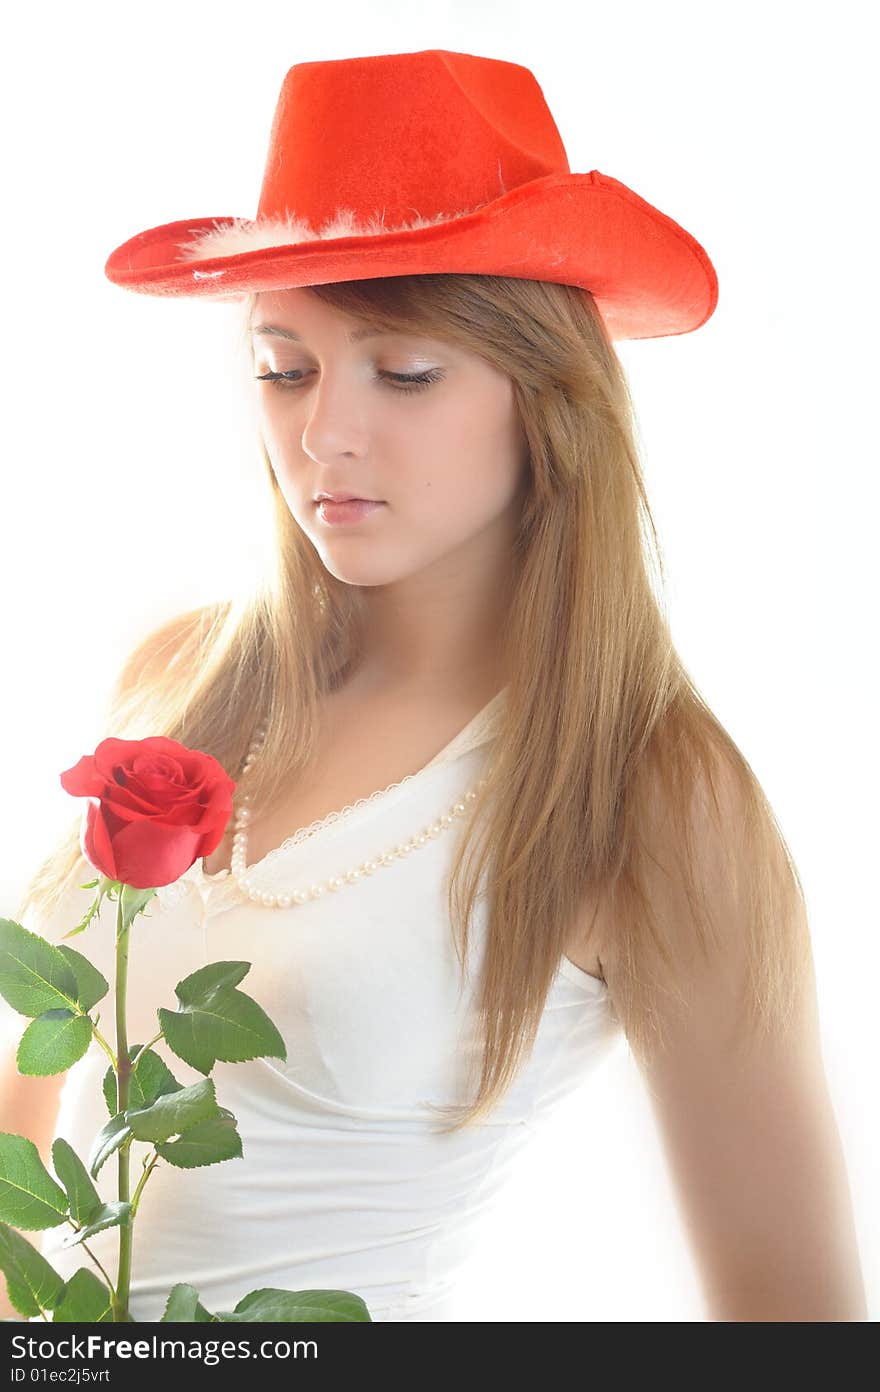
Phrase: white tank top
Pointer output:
(344, 1183)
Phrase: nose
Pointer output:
(335, 426)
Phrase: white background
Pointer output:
(128, 467)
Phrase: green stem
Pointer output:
(103, 1043)
(86, 1248)
(148, 1170)
(100, 1268)
(123, 1078)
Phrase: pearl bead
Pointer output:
(285, 900)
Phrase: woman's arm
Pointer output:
(749, 1135)
(28, 1107)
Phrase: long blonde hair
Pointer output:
(601, 718)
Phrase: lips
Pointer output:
(352, 510)
(344, 498)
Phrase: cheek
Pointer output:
(285, 455)
(479, 466)
(465, 495)
(271, 440)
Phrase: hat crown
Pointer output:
(430, 163)
(405, 135)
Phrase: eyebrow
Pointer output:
(355, 336)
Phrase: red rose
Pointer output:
(154, 808)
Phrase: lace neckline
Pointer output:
(479, 728)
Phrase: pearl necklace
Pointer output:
(239, 869)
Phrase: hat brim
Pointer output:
(649, 277)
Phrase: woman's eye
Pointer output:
(398, 381)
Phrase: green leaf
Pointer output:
(150, 1078)
(174, 1112)
(34, 975)
(91, 986)
(86, 1300)
(218, 1022)
(296, 1307)
(184, 1307)
(107, 1216)
(29, 1197)
(83, 1197)
(207, 1143)
(53, 1042)
(209, 977)
(31, 1283)
(111, 1136)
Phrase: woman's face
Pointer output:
(445, 459)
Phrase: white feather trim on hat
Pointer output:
(244, 234)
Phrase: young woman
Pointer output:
(484, 821)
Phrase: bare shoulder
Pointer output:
(708, 884)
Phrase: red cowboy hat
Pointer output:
(426, 163)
